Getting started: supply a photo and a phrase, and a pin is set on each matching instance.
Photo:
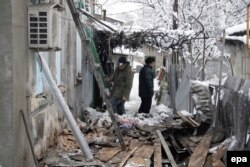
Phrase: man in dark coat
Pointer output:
(122, 83)
(146, 85)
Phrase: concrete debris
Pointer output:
(186, 135)
(67, 141)
(202, 99)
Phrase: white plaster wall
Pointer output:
(46, 126)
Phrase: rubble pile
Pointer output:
(140, 136)
(162, 138)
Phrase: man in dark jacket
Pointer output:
(146, 85)
(122, 83)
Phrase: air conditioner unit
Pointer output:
(45, 27)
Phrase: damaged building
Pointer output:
(55, 108)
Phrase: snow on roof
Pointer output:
(100, 27)
(136, 28)
(237, 38)
(110, 18)
(177, 32)
(203, 83)
(115, 26)
(128, 29)
(127, 51)
(231, 31)
(237, 28)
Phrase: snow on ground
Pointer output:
(237, 28)
(134, 102)
(158, 116)
(136, 64)
(127, 51)
(158, 113)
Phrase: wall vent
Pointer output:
(45, 27)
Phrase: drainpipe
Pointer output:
(104, 11)
(65, 109)
(203, 58)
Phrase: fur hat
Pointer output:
(122, 60)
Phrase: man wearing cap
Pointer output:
(122, 83)
(146, 85)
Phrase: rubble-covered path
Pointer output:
(156, 139)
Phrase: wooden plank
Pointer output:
(157, 155)
(118, 158)
(200, 152)
(178, 148)
(215, 159)
(187, 119)
(185, 143)
(142, 156)
(127, 157)
(135, 143)
(138, 161)
(145, 151)
(213, 163)
(105, 154)
(194, 122)
(166, 148)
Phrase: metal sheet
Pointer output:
(182, 98)
(173, 84)
(245, 89)
(234, 83)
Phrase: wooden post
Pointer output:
(203, 58)
(166, 148)
(104, 11)
(175, 9)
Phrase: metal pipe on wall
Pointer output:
(65, 109)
